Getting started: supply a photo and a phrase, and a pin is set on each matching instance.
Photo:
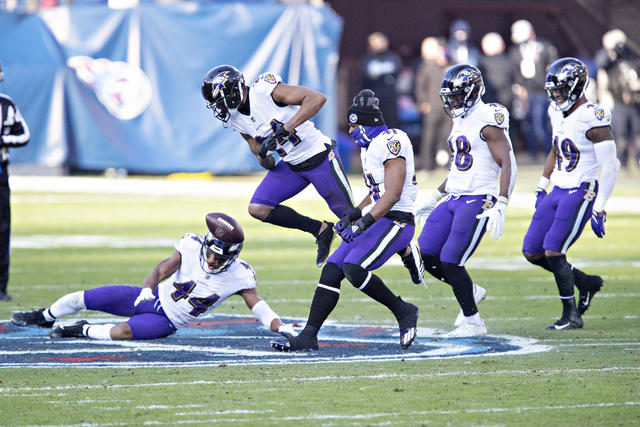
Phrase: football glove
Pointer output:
(427, 206)
(496, 216)
(267, 147)
(360, 136)
(146, 294)
(597, 223)
(286, 330)
(353, 215)
(350, 233)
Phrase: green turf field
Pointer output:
(589, 377)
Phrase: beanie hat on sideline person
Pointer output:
(365, 110)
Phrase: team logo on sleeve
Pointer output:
(394, 147)
(499, 118)
(599, 112)
(270, 78)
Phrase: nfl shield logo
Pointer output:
(599, 112)
(499, 118)
(394, 147)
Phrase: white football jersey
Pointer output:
(264, 112)
(576, 161)
(473, 169)
(390, 144)
(190, 292)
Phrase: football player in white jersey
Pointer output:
(274, 117)
(195, 279)
(582, 145)
(380, 226)
(471, 201)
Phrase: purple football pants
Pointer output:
(147, 320)
(329, 179)
(452, 230)
(375, 246)
(560, 218)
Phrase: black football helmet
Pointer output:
(462, 86)
(565, 83)
(224, 239)
(222, 89)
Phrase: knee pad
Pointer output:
(331, 275)
(355, 274)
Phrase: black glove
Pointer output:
(267, 147)
(354, 214)
(350, 233)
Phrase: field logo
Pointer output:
(240, 340)
(124, 89)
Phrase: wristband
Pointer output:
(367, 221)
(544, 182)
(437, 195)
(503, 199)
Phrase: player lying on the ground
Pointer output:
(203, 272)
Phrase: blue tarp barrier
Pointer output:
(103, 88)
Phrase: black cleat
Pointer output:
(69, 331)
(413, 262)
(407, 322)
(302, 342)
(573, 321)
(586, 296)
(323, 241)
(4, 296)
(27, 318)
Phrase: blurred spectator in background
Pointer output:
(460, 50)
(496, 69)
(14, 132)
(530, 58)
(381, 67)
(435, 122)
(619, 90)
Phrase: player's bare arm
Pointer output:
(395, 171)
(309, 101)
(266, 162)
(501, 151)
(251, 298)
(599, 134)
(164, 269)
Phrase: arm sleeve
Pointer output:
(606, 156)
(264, 314)
(18, 131)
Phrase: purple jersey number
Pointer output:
(462, 159)
(568, 151)
(200, 305)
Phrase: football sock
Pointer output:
(563, 274)
(433, 266)
(372, 286)
(462, 285)
(66, 305)
(325, 297)
(98, 332)
(581, 278)
(46, 313)
(286, 217)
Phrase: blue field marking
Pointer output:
(238, 340)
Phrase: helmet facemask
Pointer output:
(225, 254)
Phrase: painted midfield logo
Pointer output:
(231, 340)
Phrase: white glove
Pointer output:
(497, 214)
(287, 330)
(146, 294)
(428, 204)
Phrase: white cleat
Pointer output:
(468, 329)
(478, 295)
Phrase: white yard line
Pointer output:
(551, 372)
